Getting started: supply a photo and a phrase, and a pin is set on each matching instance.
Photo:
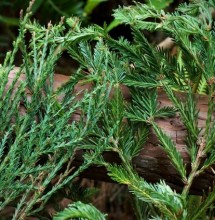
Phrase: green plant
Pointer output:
(191, 71)
(80, 210)
(37, 144)
(52, 10)
(160, 4)
(34, 147)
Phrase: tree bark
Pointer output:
(152, 163)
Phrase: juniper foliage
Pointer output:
(37, 141)
(36, 144)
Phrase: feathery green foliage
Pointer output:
(38, 142)
(80, 210)
(38, 145)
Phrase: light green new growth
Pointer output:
(80, 210)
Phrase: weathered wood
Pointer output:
(153, 163)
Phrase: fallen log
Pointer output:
(152, 163)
